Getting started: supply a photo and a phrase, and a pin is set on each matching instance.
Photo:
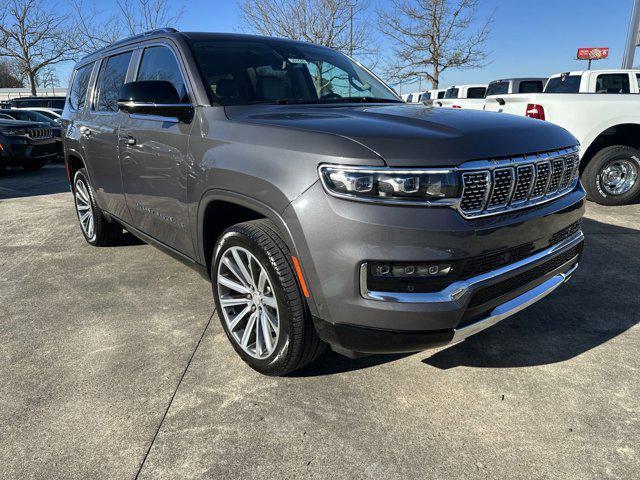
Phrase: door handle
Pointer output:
(86, 131)
(129, 140)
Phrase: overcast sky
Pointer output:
(530, 37)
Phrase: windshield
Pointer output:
(563, 84)
(239, 72)
(28, 116)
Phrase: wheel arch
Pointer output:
(627, 134)
(74, 162)
(220, 209)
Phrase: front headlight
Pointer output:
(416, 186)
(15, 133)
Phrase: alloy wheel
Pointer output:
(248, 302)
(84, 209)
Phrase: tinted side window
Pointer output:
(440, 94)
(159, 63)
(78, 94)
(638, 80)
(612, 83)
(476, 92)
(410, 98)
(451, 93)
(112, 75)
(498, 88)
(531, 86)
(563, 84)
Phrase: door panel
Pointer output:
(154, 162)
(154, 159)
(99, 135)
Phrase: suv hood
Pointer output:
(416, 135)
(10, 124)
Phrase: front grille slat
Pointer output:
(503, 182)
(476, 188)
(39, 133)
(517, 183)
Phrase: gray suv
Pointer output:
(323, 209)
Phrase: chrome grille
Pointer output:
(543, 172)
(39, 133)
(503, 185)
(523, 183)
(557, 168)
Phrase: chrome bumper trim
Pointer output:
(513, 306)
(457, 289)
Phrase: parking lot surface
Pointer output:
(114, 365)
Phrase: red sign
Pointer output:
(597, 53)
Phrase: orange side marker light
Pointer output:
(303, 284)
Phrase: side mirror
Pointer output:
(154, 97)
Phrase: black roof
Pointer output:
(172, 32)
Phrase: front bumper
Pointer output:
(16, 153)
(334, 238)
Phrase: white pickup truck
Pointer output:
(509, 86)
(601, 108)
(463, 96)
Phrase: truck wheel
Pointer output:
(32, 167)
(97, 230)
(259, 301)
(612, 176)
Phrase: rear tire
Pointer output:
(264, 288)
(96, 229)
(612, 176)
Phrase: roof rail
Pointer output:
(142, 35)
(135, 37)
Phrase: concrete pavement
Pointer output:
(113, 365)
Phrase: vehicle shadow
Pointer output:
(600, 302)
(18, 183)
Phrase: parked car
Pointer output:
(602, 109)
(33, 116)
(52, 113)
(45, 102)
(463, 96)
(509, 86)
(29, 145)
(431, 95)
(322, 212)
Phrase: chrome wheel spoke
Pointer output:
(234, 323)
(233, 285)
(230, 264)
(266, 334)
(270, 301)
(244, 342)
(242, 267)
(248, 305)
(231, 301)
(84, 209)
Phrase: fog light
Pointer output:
(411, 270)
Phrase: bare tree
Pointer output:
(131, 17)
(431, 36)
(338, 24)
(9, 77)
(35, 37)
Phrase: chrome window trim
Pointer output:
(470, 167)
(459, 288)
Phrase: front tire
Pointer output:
(612, 176)
(259, 302)
(96, 229)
